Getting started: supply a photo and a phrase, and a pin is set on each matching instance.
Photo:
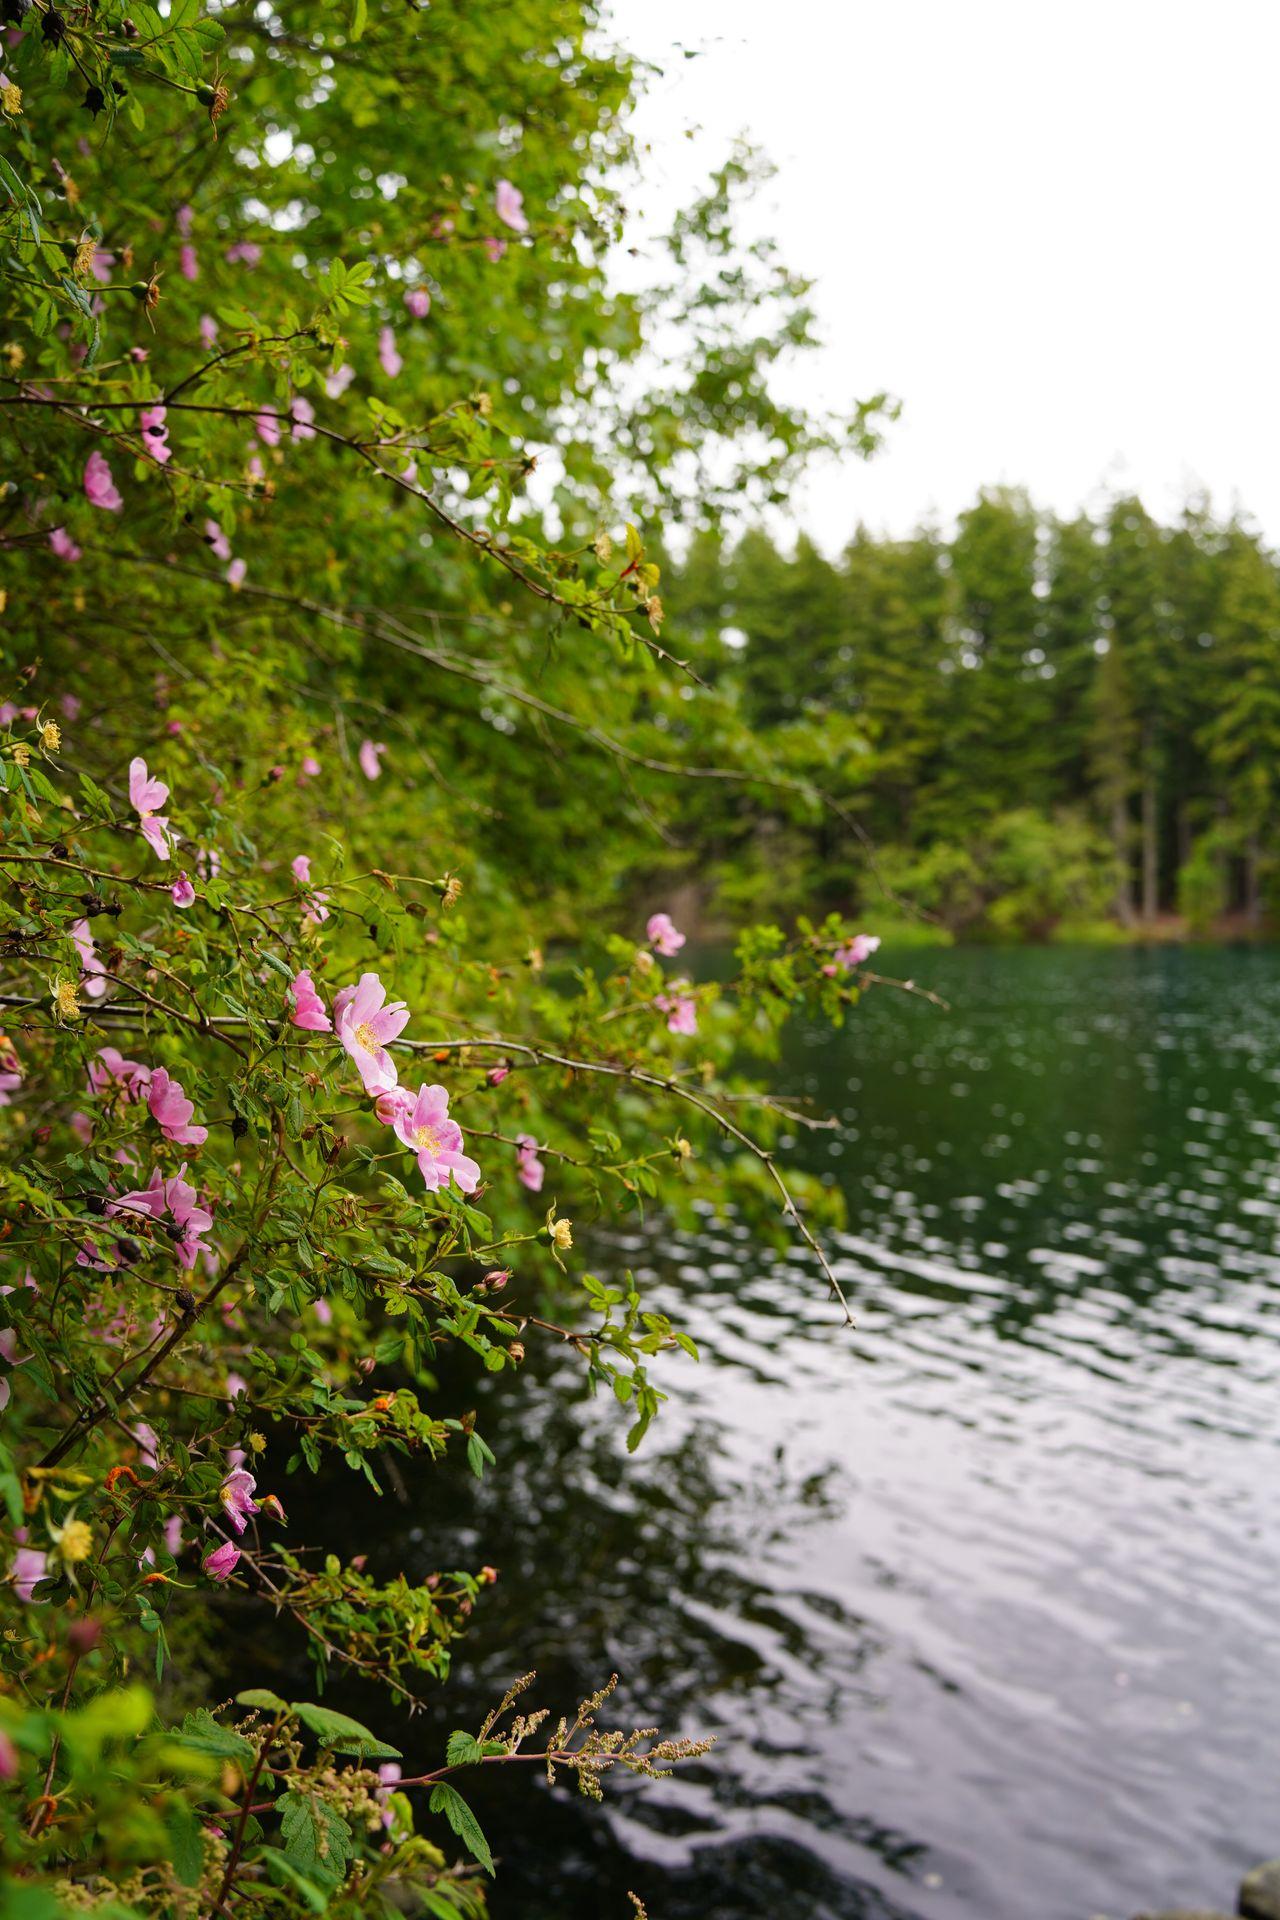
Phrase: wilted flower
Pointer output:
(561, 1232)
(221, 1563)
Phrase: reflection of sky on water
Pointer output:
(980, 1600)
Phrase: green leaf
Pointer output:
(359, 18)
(446, 1800)
(344, 1735)
(186, 1842)
(201, 1733)
(262, 1698)
(463, 1750)
(317, 1840)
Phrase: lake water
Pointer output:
(983, 1599)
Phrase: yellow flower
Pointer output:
(11, 98)
(65, 1001)
(51, 736)
(683, 1148)
(22, 754)
(561, 1232)
(75, 1542)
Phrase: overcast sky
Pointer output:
(1049, 228)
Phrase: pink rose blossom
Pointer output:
(418, 301)
(70, 704)
(219, 545)
(663, 936)
(28, 1570)
(101, 264)
(140, 354)
(308, 1008)
(81, 1125)
(337, 382)
(111, 1069)
(221, 1563)
(268, 429)
(236, 1494)
(508, 204)
(184, 217)
(182, 893)
(391, 1107)
(100, 489)
(496, 1075)
(303, 413)
(323, 1312)
(183, 1203)
(529, 1169)
(147, 796)
(236, 573)
(92, 980)
(309, 769)
(388, 353)
(63, 545)
(300, 867)
(173, 1534)
(494, 249)
(680, 1008)
(856, 951)
(369, 755)
(171, 1110)
(155, 434)
(187, 264)
(248, 252)
(365, 1025)
(9, 1352)
(208, 331)
(426, 1128)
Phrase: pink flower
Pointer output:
(208, 330)
(82, 1126)
(300, 867)
(236, 1494)
(236, 1385)
(208, 863)
(508, 204)
(10, 1083)
(856, 951)
(496, 1075)
(680, 1008)
(236, 573)
(426, 1128)
(389, 1107)
(308, 1008)
(303, 414)
(182, 893)
(221, 1563)
(323, 1312)
(101, 264)
(337, 382)
(370, 753)
(173, 1534)
(28, 1569)
(315, 909)
(219, 545)
(529, 1169)
(155, 434)
(268, 429)
(111, 1069)
(183, 1203)
(388, 353)
(365, 1024)
(70, 704)
(10, 1764)
(11, 1356)
(139, 354)
(100, 489)
(187, 263)
(494, 249)
(147, 796)
(184, 217)
(246, 251)
(309, 769)
(92, 979)
(418, 301)
(663, 936)
(63, 545)
(171, 1110)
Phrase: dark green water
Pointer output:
(982, 1601)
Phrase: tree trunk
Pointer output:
(1150, 846)
(1120, 836)
(1252, 888)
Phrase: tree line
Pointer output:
(1037, 721)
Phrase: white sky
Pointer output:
(1049, 228)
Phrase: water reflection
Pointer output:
(981, 1601)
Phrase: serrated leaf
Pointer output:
(339, 1731)
(263, 1698)
(463, 1750)
(448, 1801)
(317, 1840)
(186, 1844)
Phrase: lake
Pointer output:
(983, 1599)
